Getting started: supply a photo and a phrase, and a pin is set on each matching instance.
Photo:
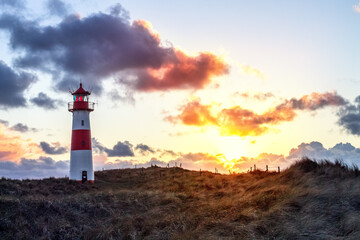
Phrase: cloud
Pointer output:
(13, 147)
(168, 153)
(121, 149)
(257, 96)
(118, 11)
(313, 150)
(185, 73)
(34, 168)
(127, 97)
(349, 117)
(249, 70)
(57, 7)
(194, 113)
(4, 122)
(345, 152)
(19, 127)
(44, 101)
(244, 122)
(196, 161)
(133, 164)
(144, 149)
(13, 85)
(273, 161)
(105, 45)
(13, 3)
(314, 101)
(52, 150)
(97, 146)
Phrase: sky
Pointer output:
(207, 84)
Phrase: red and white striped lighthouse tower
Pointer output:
(81, 163)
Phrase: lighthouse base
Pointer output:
(81, 166)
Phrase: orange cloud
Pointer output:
(183, 72)
(194, 113)
(13, 147)
(244, 122)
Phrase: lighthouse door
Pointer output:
(84, 176)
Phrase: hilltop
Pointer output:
(309, 200)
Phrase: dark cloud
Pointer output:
(13, 85)
(57, 7)
(168, 153)
(144, 149)
(347, 147)
(34, 168)
(132, 164)
(244, 122)
(44, 101)
(314, 101)
(13, 3)
(97, 146)
(186, 73)
(349, 117)
(121, 149)
(118, 11)
(22, 128)
(102, 45)
(52, 150)
(4, 122)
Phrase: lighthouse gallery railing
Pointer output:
(88, 106)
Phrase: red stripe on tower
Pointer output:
(81, 139)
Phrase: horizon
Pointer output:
(204, 84)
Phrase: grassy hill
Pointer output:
(307, 201)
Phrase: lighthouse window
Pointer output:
(74, 98)
(80, 98)
(82, 122)
(83, 143)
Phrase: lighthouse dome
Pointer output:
(81, 91)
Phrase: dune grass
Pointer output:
(310, 200)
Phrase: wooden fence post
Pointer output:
(278, 169)
(254, 167)
(267, 168)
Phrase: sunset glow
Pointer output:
(208, 85)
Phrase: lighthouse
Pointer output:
(81, 163)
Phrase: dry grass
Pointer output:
(307, 201)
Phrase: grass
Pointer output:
(310, 200)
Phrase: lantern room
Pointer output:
(80, 101)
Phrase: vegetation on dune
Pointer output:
(310, 200)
